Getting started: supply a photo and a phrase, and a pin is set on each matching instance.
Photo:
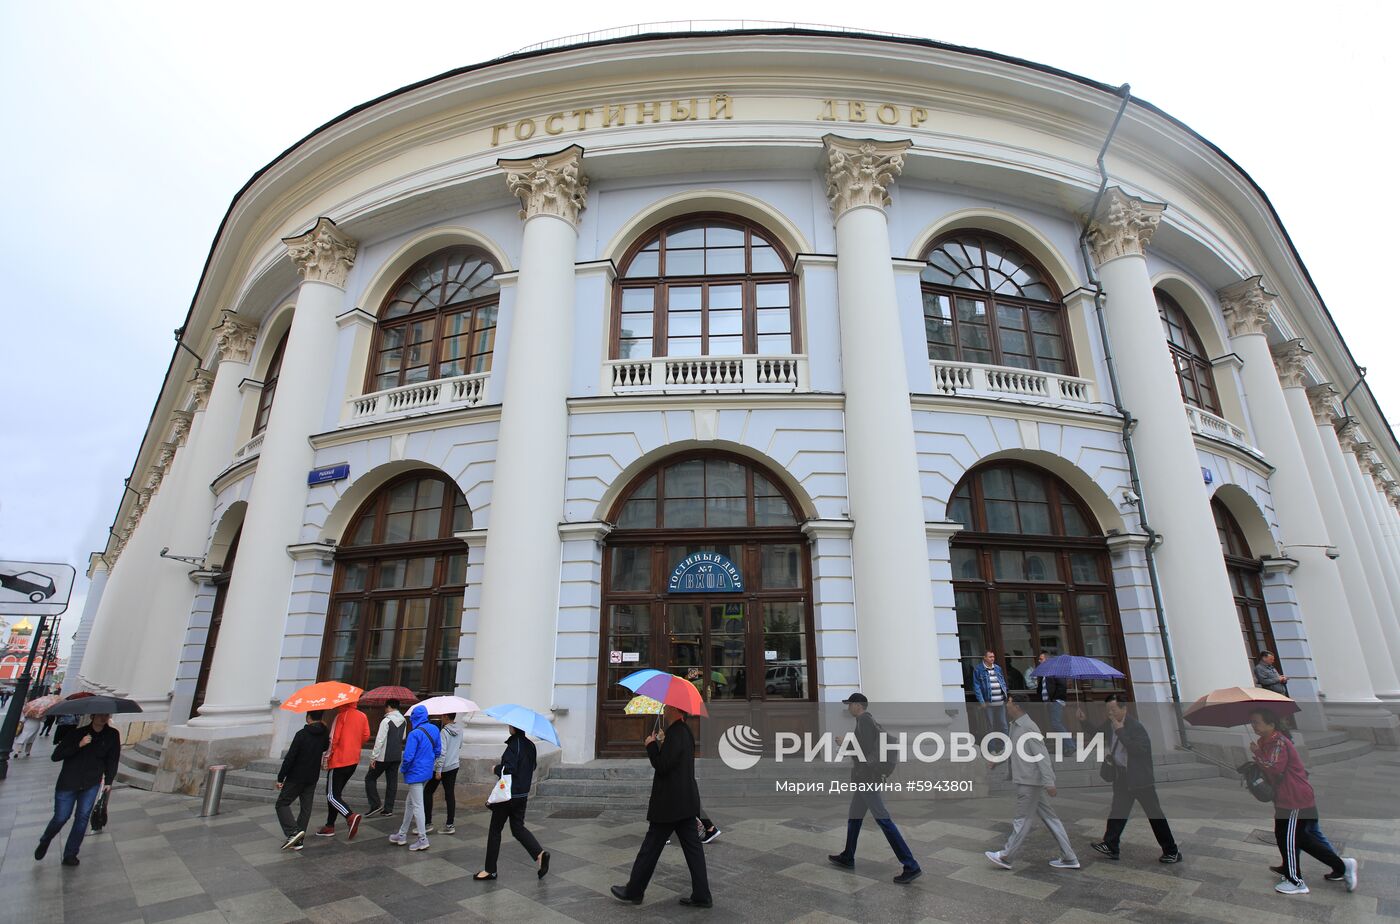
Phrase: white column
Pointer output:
(1385, 589)
(1376, 490)
(514, 656)
(244, 670)
(207, 452)
(1317, 581)
(134, 553)
(74, 670)
(895, 627)
(1340, 508)
(1200, 606)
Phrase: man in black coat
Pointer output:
(1051, 692)
(672, 810)
(866, 773)
(301, 768)
(89, 755)
(1129, 767)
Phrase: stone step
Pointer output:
(140, 761)
(1314, 739)
(146, 749)
(1345, 749)
(137, 779)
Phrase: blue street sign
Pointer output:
(1208, 475)
(328, 473)
(706, 572)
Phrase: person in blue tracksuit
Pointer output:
(420, 751)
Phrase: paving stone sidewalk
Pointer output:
(158, 861)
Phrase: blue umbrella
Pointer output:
(1075, 667)
(527, 720)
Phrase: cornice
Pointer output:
(1009, 410)
(611, 404)
(417, 423)
(233, 474)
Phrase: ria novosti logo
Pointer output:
(740, 747)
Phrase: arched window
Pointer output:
(706, 285)
(396, 601)
(1193, 369)
(1031, 571)
(1246, 581)
(987, 301)
(751, 647)
(439, 321)
(269, 388)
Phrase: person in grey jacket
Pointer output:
(445, 775)
(1267, 676)
(1034, 778)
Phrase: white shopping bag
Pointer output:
(501, 791)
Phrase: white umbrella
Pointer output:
(445, 705)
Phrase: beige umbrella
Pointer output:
(1231, 706)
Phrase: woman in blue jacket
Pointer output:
(420, 750)
(518, 761)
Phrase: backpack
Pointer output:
(393, 742)
(1253, 779)
(890, 762)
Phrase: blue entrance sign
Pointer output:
(706, 572)
(328, 473)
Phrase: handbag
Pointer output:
(500, 792)
(98, 819)
(1253, 779)
(1108, 771)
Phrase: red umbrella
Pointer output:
(328, 694)
(1231, 706)
(381, 695)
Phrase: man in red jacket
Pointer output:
(348, 736)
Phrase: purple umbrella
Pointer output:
(1075, 667)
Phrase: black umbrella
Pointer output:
(93, 705)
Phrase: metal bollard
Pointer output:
(213, 790)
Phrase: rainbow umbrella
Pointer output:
(666, 688)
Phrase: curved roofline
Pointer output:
(865, 36)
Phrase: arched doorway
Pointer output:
(1246, 582)
(1031, 572)
(707, 571)
(395, 614)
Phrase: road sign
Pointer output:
(328, 473)
(37, 587)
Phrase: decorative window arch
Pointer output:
(1246, 582)
(1193, 369)
(396, 600)
(269, 388)
(988, 301)
(1031, 572)
(438, 321)
(707, 284)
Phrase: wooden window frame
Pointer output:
(1024, 305)
(662, 283)
(268, 393)
(1250, 572)
(437, 316)
(1191, 365)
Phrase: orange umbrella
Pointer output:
(328, 694)
(1231, 706)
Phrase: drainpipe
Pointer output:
(1129, 422)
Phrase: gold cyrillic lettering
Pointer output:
(719, 106)
(496, 133)
(680, 112)
(648, 111)
(918, 116)
(582, 115)
(887, 114)
(521, 134)
(554, 125)
(828, 112)
(613, 117)
(855, 111)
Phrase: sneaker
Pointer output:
(293, 841)
(386, 813)
(42, 849)
(299, 847)
(1291, 888)
(420, 844)
(429, 829)
(908, 876)
(996, 857)
(1350, 876)
(326, 831)
(1103, 848)
(398, 839)
(841, 861)
(449, 829)
(374, 812)
(1058, 863)
(1170, 857)
(70, 861)
(354, 825)
(711, 835)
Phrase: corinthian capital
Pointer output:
(1348, 434)
(1246, 306)
(180, 426)
(234, 338)
(859, 172)
(323, 254)
(1290, 359)
(1322, 399)
(1123, 225)
(201, 384)
(1392, 490)
(554, 184)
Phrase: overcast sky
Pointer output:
(129, 126)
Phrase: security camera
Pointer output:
(1333, 554)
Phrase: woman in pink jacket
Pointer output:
(1293, 799)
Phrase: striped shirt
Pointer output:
(995, 694)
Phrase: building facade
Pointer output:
(812, 361)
